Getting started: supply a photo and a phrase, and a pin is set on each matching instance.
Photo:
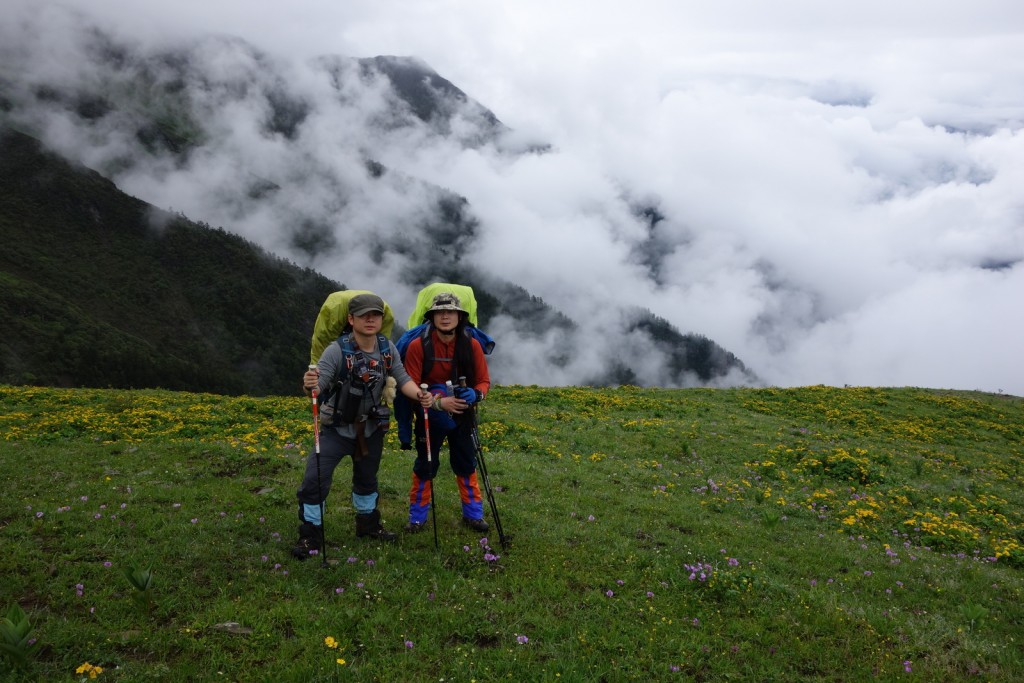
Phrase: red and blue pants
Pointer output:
(461, 457)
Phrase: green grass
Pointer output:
(816, 534)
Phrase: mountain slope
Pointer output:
(101, 289)
(332, 164)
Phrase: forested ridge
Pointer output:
(98, 288)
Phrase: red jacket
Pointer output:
(444, 353)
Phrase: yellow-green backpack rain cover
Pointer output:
(427, 294)
(333, 317)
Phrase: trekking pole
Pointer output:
(426, 432)
(319, 485)
(483, 473)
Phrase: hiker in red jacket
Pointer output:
(440, 357)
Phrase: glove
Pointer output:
(467, 394)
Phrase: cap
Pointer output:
(446, 301)
(361, 304)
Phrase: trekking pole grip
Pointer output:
(312, 366)
(426, 435)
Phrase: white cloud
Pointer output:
(833, 177)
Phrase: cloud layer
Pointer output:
(838, 193)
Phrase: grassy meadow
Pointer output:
(809, 534)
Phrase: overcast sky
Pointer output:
(847, 179)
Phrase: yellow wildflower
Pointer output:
(88, 668)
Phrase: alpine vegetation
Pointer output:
(650, 534)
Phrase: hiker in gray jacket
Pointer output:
(350, 378)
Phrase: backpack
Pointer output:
(403, 407)
(340, 388)
(332, 326)
(332, 321)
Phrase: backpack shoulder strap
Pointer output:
(341, 374)
(384, 346)
(348, 352)
(427, 344)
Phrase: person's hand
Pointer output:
(425, 398)
(311, 379)
(451, 404)
(467, 394)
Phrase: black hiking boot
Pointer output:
(414, 527)
(309, 541)
(476, 524)
(369, 526)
